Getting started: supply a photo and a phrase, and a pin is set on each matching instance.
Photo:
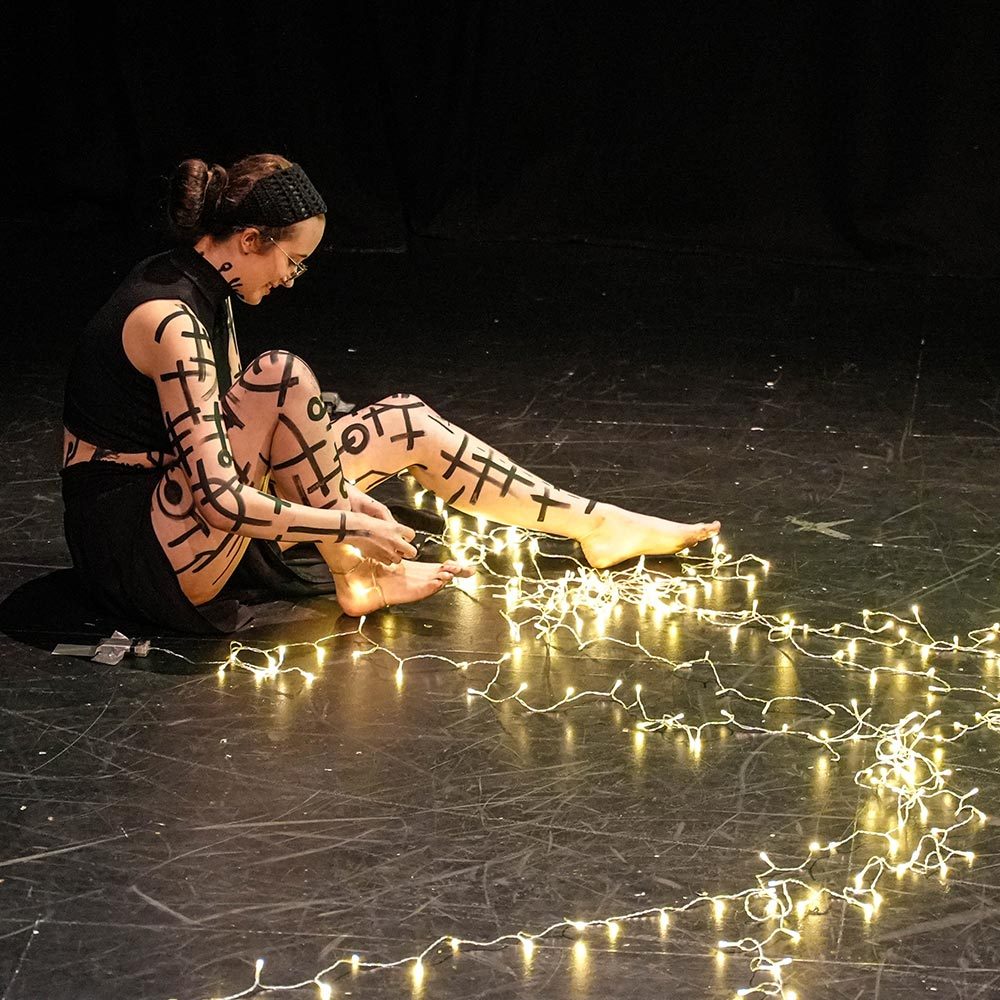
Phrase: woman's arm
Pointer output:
(166, 342)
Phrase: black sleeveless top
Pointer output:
(108, 402)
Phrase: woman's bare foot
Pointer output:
(371, 585)
(623, 534)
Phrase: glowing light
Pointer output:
(907, 786)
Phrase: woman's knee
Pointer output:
(280, 374)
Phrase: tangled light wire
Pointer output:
(931, 819)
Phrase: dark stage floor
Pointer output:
(163, 827)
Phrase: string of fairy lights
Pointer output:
(927, 822)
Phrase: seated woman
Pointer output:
(176, 455)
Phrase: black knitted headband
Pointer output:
(280, 199)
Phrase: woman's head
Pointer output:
(262, 215)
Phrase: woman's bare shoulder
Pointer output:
(159, 329)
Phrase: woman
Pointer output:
(171, 445)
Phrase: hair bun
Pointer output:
(196, 192)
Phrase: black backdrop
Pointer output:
(854, 132)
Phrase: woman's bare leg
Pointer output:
(402, 432)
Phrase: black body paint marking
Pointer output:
(234, 283)
(378, 475)
(545, 501)
(217, 420)
(216, 491)
(355, 439)
(230, 416)
(304, 497)
(308, 454)
(285, 382)
(236, 550)
(173, 493)
(338, 534)
(442, 423)
(410, 434)
(176, 440)
(488, 465)
(184, 375)
(203, 358)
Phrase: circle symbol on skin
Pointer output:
(172, 492)
(355, 439)
(316, 409)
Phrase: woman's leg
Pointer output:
(402, 432)
(277, 427)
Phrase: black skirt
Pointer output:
(116, 553)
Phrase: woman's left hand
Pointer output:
(361, 503)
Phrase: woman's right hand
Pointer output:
(387, 541)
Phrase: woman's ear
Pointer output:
(250, 241)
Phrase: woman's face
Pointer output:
(268, 265)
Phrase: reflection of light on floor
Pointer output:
(581, 966)
(417, 974)
(906, 827)
(527, 951)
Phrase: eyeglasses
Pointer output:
(300, 268)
